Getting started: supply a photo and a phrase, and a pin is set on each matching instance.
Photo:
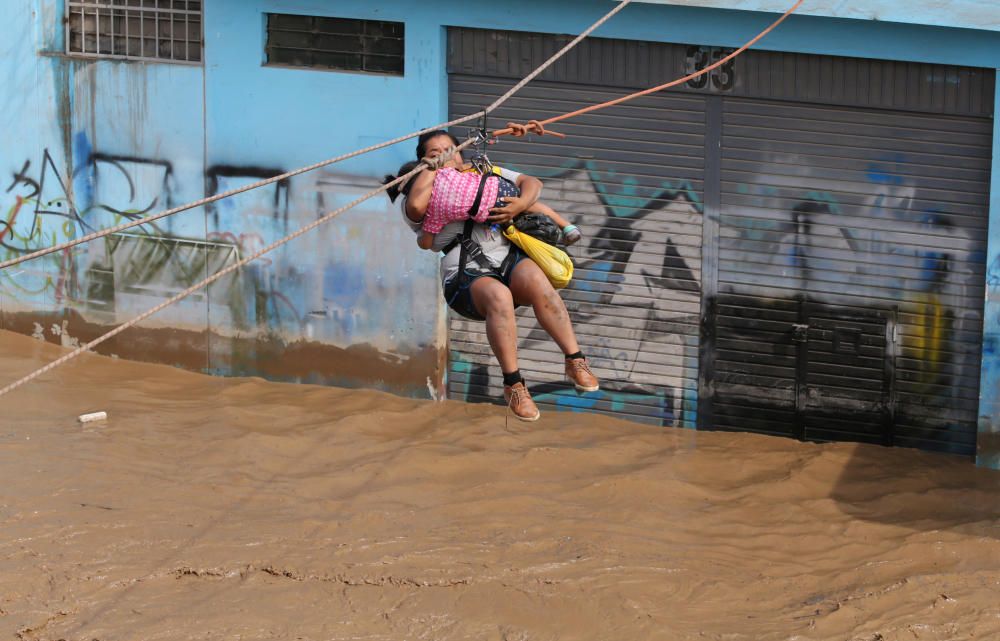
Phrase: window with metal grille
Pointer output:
(163, 30)
(369, 46)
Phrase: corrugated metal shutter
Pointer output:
(631, 179)
(857, 212)
(829, 214)
(633, 64)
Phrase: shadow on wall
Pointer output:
(920, 491)
(405, 374)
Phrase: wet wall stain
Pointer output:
(413, 373)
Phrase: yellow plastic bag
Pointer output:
(556, 263)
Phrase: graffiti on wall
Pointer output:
(910, 263)
(635, 301)
(119, 274)
(883, 247)
(37, 212)
(334, 286)
(636, 296)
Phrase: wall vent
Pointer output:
(338, 44)
(154, 30)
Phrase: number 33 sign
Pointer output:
(721, 79)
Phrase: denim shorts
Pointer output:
(461, 297)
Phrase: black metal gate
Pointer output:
(844, 383)
(802, 369)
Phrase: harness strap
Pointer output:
(470, 248)
(479, 195)
(463, 256)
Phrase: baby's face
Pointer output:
(438, 145)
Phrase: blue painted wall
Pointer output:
(988, 453)
(116, 138)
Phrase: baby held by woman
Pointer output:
(454, 192)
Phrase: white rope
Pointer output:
(559, 54)
(214, 277)
(226, 194)
(295, 172)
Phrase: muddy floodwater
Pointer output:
(209, 508)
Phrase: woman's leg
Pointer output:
(494, 302)
(529, 286)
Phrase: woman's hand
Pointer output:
(507, 213)
(530, 188)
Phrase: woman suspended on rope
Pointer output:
(454, 190)
(497, 277)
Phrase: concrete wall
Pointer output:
(87, 143)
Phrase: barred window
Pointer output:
(369, 46)
(163, 30)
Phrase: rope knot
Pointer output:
(518, 130)
(537, 127)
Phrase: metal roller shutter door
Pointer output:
(841, 206)
(851, 274)
(631, 178)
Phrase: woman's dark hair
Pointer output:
(394, 191)
(424, 138)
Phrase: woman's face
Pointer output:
(438, 145)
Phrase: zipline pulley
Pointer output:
(481, 138)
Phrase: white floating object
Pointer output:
(93, 416)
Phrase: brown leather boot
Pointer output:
(578, 371)
(520, 403)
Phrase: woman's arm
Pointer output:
(531, 189)
(420, 195)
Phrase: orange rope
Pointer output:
(538, 126)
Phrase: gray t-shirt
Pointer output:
(495, 246)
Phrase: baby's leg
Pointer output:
(541, 208)
(570, 233)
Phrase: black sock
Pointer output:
(513, 378)
(571, 357)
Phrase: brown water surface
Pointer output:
(209, 508)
